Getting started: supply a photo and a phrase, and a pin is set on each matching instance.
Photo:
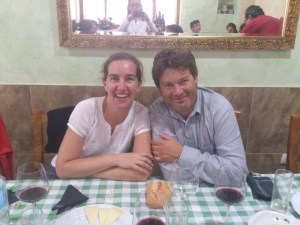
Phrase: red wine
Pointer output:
(151, 221)
(32, 194)
(229, 196)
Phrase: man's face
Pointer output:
(196, 28)
(179, 90)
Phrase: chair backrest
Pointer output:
(38, 120)
(292, 148)
(238, 115)
(58, 119)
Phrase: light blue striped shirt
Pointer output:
(210, 135)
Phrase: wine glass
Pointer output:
(184, 180)
(32, 185)
(144, 214)
(230, 186)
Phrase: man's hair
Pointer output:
(123, 56)
(175, 59)
(254, 11)
(192, 24)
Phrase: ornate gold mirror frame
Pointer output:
(286, 41)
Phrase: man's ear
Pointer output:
(250, 17)
(196, 80)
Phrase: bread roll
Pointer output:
(154, 197)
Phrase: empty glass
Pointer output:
(281, 190)
(178, 213)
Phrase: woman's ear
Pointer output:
(139, 86)
(104, 83)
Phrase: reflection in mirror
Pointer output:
(152, 17)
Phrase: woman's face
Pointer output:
(134, 6)
(121, 84)
(229, 30)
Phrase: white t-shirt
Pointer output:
(87, 121)
(138, 27)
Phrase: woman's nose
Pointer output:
(121, 85)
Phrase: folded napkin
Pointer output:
(12, 198)
(70, 199)
(261, 187)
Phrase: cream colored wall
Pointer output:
(206, 12)
(30, 54)
(275, 8)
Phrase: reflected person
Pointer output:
(258, 24)
(231, 28)
(189, 122)
(174, 29)
(195, 26)
(137, 22)
(87, 27)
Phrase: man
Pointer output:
(189, 122)
(258, 24)
(195, 26)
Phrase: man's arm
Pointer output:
(226, 148)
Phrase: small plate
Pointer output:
(296, 202)
(272, 218)
(77, 217)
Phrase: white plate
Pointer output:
(296, 202)
(272, 218)
(77, 217)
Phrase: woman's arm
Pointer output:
(141, 167)
(70, 165)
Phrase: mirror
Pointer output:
(110, 27)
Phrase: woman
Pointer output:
(137, 21)
(102, 130)
(231, 28)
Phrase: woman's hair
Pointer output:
(242, 27)
(123, 56)
(175, 59)
(233, 26)
(174, 28)
(128, 11)
(85, 26)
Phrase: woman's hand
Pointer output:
(141, 162)
(146, 17)
(130, 17)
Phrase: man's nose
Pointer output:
(177, 89)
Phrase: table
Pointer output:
(205, 208)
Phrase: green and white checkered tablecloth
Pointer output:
(205, 208)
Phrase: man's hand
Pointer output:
(166, 150)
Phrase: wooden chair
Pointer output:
(58, 118)
(292, 148)
(238, 115)
(38, 120)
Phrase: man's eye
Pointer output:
(130, 79)
(113, 78)
(167, 85)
